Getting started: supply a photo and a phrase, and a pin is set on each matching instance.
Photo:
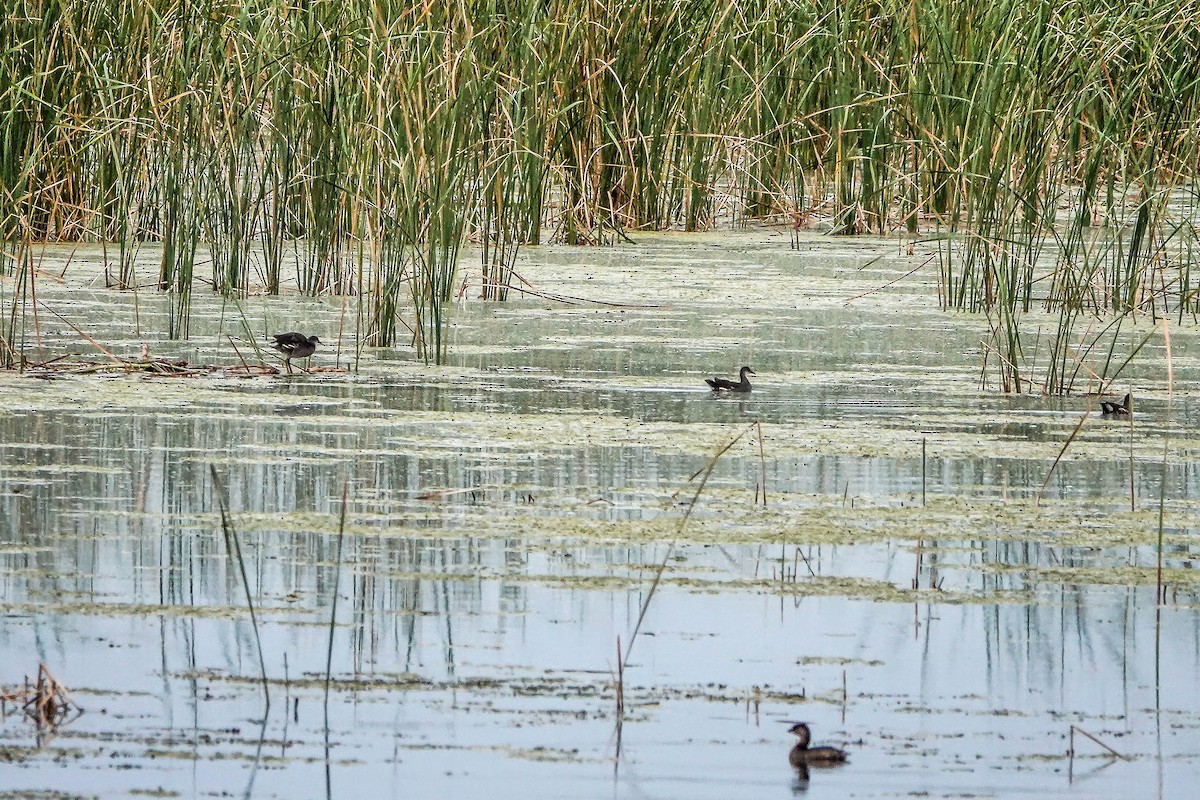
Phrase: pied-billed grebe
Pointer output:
(1121, 409)
(802, 755)
(294, 345)
(724, 385)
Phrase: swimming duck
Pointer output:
(724, 385)
(1121, 409)
(802, 755)
(294, 345)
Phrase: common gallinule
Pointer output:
(295, 345)
(802, 755)
(1121, 409)
(724, 385)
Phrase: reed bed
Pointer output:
(1050, 148)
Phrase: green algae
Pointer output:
(158, 792)
(792, 520)
(54, 605)
(838, 662)
(795, 522)
(547, 754)
(1110, 574)
(12, 754)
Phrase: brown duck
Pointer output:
(726, 385)
(803, 756)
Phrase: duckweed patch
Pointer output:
(729, 517)
(548, 754)
(1112, 573)
(56, 605)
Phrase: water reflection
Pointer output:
(507, 518)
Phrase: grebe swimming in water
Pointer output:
(802, 755)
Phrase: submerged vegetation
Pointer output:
(1050, 148)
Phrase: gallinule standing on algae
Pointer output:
(295, 345)
(802, 755)
(724, 385)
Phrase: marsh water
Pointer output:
(885, 552)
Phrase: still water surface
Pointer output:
(507, 516)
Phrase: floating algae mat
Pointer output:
(886, 551)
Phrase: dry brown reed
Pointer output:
(46, 701)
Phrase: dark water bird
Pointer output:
(1121, 409)
(803, 756)
(295, 345)
(725, 385)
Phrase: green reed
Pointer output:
(1051, 146)
(16, 297)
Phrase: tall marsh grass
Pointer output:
(1052, 147)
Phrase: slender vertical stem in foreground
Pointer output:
(1132, 489)
(706, 471)
(1160, 590)
(234, 547)
(924, 441)
(620, 698)
(337, 572)
(762, 462)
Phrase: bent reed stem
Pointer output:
(233, 548)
